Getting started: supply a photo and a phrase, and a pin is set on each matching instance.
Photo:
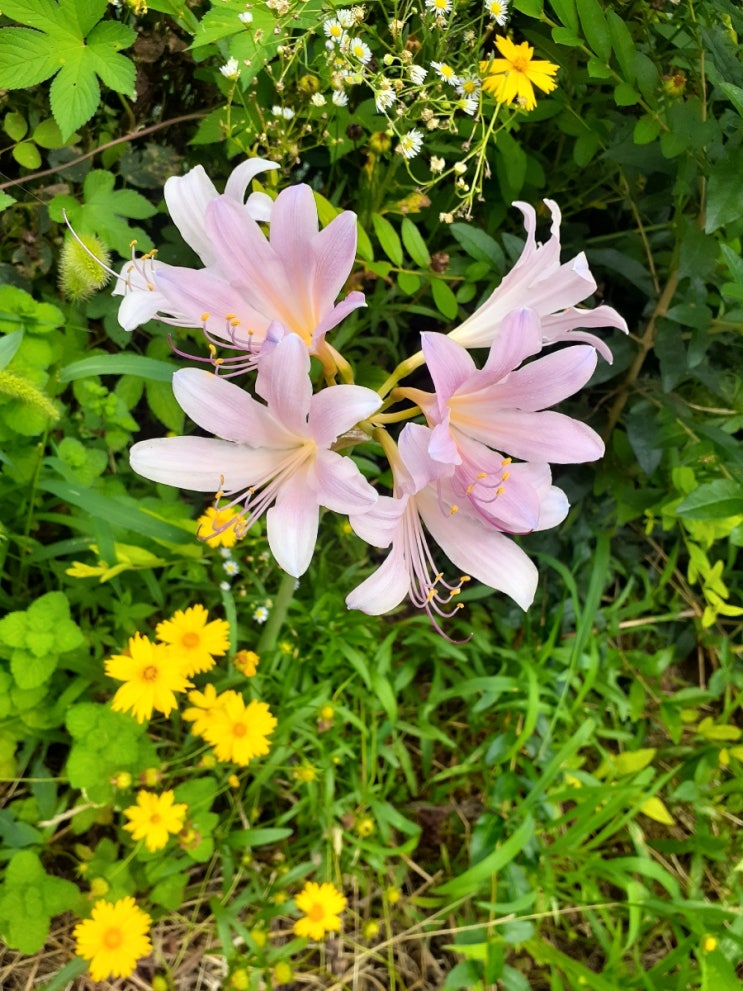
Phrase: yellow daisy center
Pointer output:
(149, 673)
(113, 938)
(520, 62)
(316, 913)
(155, 818)
(239, 729)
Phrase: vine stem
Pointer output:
(109, 144)
(646, 343)
(277, 615)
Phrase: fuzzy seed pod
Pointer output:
(82, 267)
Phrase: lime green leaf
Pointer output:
(626, 96)
(444, 298)
(48, 135)
(713, 501)
(654, 809)
(6, 200)
(84, 14)
(622, 44)
(42, 14)
(74, 94)
(712, 731)
(27, 154)
(479, 245)
(633, 760)
(15, 126)
(103, 43)
(27, 58)
(9, 345)
(646, 130)
(388, 238)
(118, 364)
(414, 243)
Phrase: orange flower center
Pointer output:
(149, 673)
(316, 913)
(520, 63)
(190, 640)
(239, 729)
(113, 938)
(156, 818)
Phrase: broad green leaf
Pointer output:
(9, 344)
(532, 8)
(725, 192)
(479, 245)
(27, 154)
(6, 200)
(646, 130)
(565, 10)
(626, 95)
(633, 760)
(30, 671)
(470, 880)
(655, 809)
(83, 13)
(388, 238)
(444, 298)
(408, 282)
(716, 500)
(622, 44)
(27, 58)
(48, 135)
(45, 15)
(74, 94)
(15, 126)
(103, 43)
(718, 731)
(414, 243)
(734, 94)
(595, 27)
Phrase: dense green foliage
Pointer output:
(552, 804)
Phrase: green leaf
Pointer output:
(716, 500)
(646, 130)
(45, 15)
(725, 192)
(115, 71)
(388, 238)
(6, 200)
(479, 245)
(622, 44)
(27, 58)
(9, 345)
(565, 10)
(48, 135)
(164, 406)
(84, 14)
(632, 761)
(532, 8)
(626, 95)
(118, 364)
(74, 94)
(29, 671)
(15, 126)
(444, 298)
(468, 882)
(734, 94)
(414, 243)
(27, 154)
(595, 27)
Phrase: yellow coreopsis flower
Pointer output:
(321, 905)
(113, 939)
(154, 818)
(202, 708)
(195, 641)
(238, 732)
(246, 662)
(216, 527)
(152, 675)
(514, 76)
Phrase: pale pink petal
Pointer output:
(201, 464)
(553, 508)
(379, 524)
(199, 294)
(561, 326)
(481, 552)
(227, 411)
(243, 175)
(187, 198)
(413, 445)
(259, 206)
(545, 436)
(339, 408)
(441, 446)
(339, 312)
(384, 589)
(291, 525)
(137, 308)
(283, 380)
(334, 252)
(449, 364)
(338, 484)
(519, 337)
(548, 380)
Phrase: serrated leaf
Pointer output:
(716, 500)
(724, 192)
(27, 154)
(734, 94)
(27, 58)
(414, 243)
(29, 671)
(84, 14)
(45, 15)
(654, 809)
(74, 95)
(103, 43)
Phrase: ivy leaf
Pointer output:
(64, 39)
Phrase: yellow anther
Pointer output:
(130, 269)
(230, 316)
(234, 323)
(431, 595)
(453, 510)
(218, 361)
(483, 474)
(505, 462)
(205, 317)
(500, 490)
(455, 591)
(133, 243)
(212, 350)
(469, 489)
(465, 578)
(506, 475)
(150, 287)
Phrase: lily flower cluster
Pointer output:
(467, 479)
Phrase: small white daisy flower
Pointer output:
(469, 86)
(417, 74)
(225, 586)
(225, 552)
(287, 113)
(385, 95)
(468, 105)
(497, 10)
(260, 614)
(318, 100)
(339, 98)
(360, 50)
(346, 17)
(246, 17)
(231, 568)
(446, 73)
(231, 69)
(334, 30)
(438, 6)
(410, 144)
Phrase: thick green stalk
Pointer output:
(277, 615)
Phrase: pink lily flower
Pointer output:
(275, 458)
(423, 496)
(550, 289)
(187, 198)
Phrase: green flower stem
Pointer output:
(404, 368)
(277, 615)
